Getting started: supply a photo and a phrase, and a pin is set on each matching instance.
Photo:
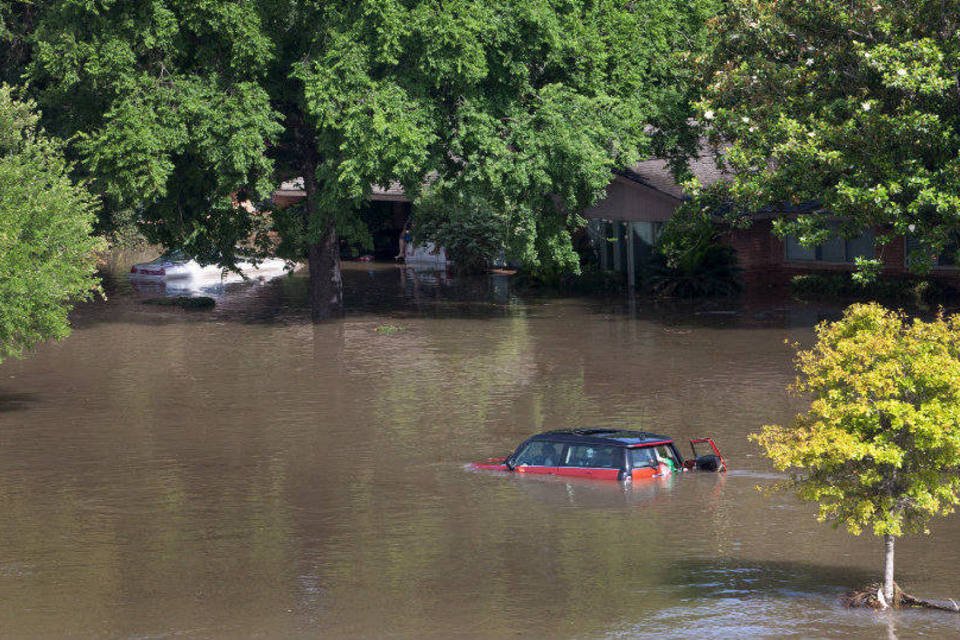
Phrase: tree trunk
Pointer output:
(326, 287)
(888, 541)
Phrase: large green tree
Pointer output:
(507, 114)
(47, 252)
(850, 104)
(879, 446)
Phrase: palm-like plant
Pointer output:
(692, 262)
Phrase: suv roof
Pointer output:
(616, 437)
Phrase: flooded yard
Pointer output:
(243, 473)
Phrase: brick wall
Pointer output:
(756, 247)
(762, 257)
(894, 256)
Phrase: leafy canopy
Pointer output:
(509, 114)
(165, 108)
(47, 253)
(880, 444)
(853, 105)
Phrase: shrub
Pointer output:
(691, 261)
(910, 290)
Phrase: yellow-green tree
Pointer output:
(879, 447)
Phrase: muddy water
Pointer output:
(242, 473)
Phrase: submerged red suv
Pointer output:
(604, 454)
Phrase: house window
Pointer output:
(947, 257)
(645, 237)
(610, 239)
(602, 237)
(835, 249)
(796, 251)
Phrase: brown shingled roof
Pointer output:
(655, 173)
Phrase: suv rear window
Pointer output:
(592, 456)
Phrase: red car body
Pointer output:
(603, 454)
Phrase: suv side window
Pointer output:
(592, 456)
(539, 453)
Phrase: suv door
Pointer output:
(538, 457)
(644, 462)
(602, 462)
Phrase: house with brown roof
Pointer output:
(625, 226)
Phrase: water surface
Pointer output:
(242, 473)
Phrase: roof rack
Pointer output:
(613, 435)
(592, 432)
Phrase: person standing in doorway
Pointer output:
(406, 237)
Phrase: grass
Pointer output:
(388, 329)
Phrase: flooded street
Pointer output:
(243, 473)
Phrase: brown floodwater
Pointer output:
(242, 473)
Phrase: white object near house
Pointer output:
(177, 268)
(426, 254)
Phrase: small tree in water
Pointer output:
(880, 444)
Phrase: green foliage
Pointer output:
(880, 445)
(167, 113)
(867, 270)
(849, 104)
(47, 253)
(473, 230)
(513, 112)
(691, 260)
(591, 281)
(388, 329)
(711, 272)
(510, 114)
(16, 23)
(914, 290)
(291, 225)
(121, 231)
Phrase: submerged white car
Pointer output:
(426, 254)
(176, 267)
